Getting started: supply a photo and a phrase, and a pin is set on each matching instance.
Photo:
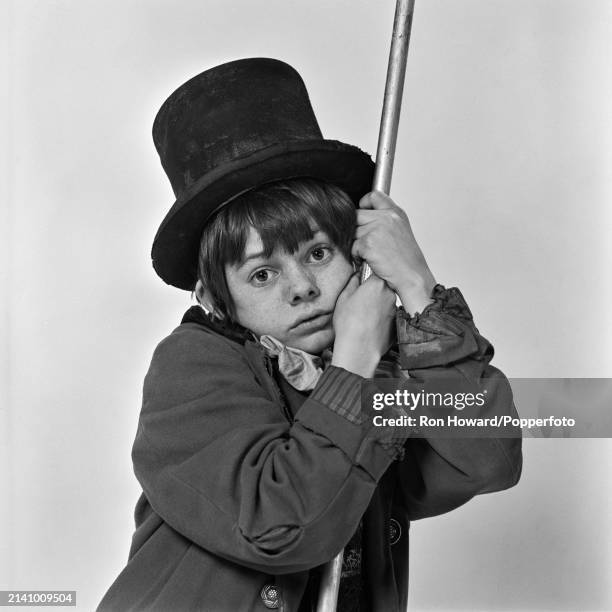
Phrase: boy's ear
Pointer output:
(204, 298)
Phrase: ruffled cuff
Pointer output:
(442, 334)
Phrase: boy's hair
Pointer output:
(284, 214)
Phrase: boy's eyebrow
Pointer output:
(245, 260)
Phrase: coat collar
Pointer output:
(233, 331)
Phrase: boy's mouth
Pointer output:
(313, 321)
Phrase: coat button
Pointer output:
(395, 531)
(270, 597)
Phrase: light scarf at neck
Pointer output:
(299, 368)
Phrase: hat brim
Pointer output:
(176, 244)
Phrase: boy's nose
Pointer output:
(302, 286)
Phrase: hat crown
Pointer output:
(229, 112)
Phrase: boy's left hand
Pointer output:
(385, 240)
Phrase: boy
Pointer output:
(256, 462)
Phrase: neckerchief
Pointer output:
(299, 368)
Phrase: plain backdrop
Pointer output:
(503, 165)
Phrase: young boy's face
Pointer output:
(290, 296)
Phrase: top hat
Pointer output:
(231, 129)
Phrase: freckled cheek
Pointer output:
(336, 281)
(241, 302)
(262, 314)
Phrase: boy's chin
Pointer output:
(314, 343)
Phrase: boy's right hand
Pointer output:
(364, 324)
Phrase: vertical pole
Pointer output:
(392, 104)
(330, 584)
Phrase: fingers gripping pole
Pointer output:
(385, 153)
(392, 104)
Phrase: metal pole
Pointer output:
(330, 584)
(389, 122)
(385, 153)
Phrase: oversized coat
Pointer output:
(249, 485)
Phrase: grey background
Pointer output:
(503, 165)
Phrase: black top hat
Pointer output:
(231, 129)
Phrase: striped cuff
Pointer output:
(340, 390)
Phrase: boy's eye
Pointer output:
(261, 277)
(320, 253)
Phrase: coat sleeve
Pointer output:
(439, 474)
(221, 464)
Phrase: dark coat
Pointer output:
(249, 484)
